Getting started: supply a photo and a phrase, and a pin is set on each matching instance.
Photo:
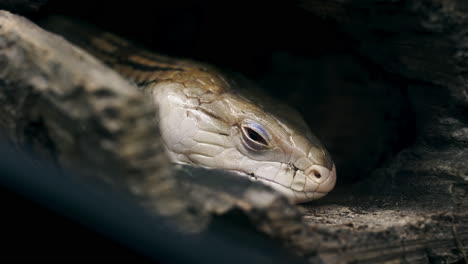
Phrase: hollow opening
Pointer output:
(361, 113)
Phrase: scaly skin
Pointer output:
(208, 119)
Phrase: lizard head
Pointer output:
(260, 139)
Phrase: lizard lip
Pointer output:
(315, 188)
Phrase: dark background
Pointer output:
(31, 232)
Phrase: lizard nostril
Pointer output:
(317, 174)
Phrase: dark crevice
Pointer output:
(363, 114)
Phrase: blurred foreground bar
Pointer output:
(120, 218)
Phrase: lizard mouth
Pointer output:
(327, 182)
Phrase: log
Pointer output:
(63, 106)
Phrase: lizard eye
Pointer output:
(254, 136)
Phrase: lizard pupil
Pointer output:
(253, 135)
